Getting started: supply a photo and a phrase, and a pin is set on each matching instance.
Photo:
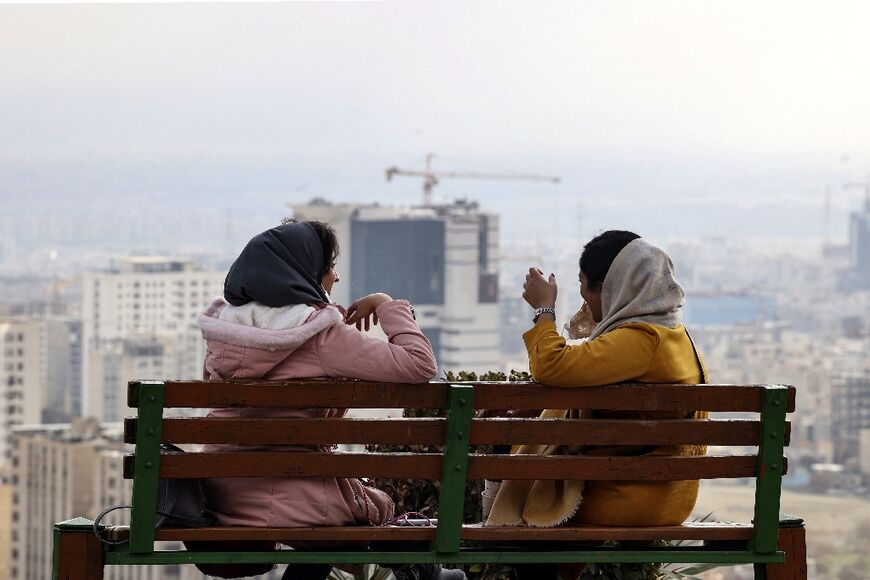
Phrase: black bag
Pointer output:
(180, 503)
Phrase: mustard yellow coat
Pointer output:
(634, 352)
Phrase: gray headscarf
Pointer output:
(640, 287)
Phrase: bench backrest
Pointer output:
(459, 429)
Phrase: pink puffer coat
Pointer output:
(321, 346)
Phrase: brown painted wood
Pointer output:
(709, 531)
(428, 466)
(253, 431)
(293, 464)
(307, 393)
(643, 468)
(616, 432)
(304, 431)
(792, 541)
(487, 395)
(130, 426)
(625, 397)
(79, 556)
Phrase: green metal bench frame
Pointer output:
(79, 555)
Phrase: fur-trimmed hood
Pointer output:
(286, 340)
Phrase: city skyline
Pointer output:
(145, 144)
(742, 111)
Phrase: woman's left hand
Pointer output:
(538, 291)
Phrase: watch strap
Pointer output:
(539, 311)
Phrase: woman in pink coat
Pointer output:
(276, 321)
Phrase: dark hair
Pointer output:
(328, 240)
(599, 253)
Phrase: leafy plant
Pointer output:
(514, 376)
(370, 572)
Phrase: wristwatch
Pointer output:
(539, 311)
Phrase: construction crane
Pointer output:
(431, 178)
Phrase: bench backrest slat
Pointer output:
(429, 466)
(362, 394)
(252, 431)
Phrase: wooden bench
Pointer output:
(777, 551)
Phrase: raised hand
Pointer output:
(538, 291)
(362, 311)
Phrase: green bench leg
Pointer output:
(78, 554)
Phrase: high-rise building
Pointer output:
(40, 372)
(859, 240)
(22, 385)
(5, 524)
(62, 350)
(850, 413)
(442, 258)
(857, 276)
(61, 472)
(118, 361)
(139, 322)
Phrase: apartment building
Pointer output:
(139, 321)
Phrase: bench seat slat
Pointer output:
(272, 431)
(494, 395)
(711, 531)
(428, 466)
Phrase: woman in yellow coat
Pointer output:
(629, 289)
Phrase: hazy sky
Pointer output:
(635, 104)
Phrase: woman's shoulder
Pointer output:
(635, 337)
(639, 330)
(654, 334)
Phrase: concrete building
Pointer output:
(60, 472)
(5, 525)
(857, 276)
(40, 372)
(140, 310)
(22, 373)
(117, 361)
(442, 258)
(62, 350)
(850, 414)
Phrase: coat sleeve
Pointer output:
(620, 355)
(344, 351)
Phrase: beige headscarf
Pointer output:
(639, 287)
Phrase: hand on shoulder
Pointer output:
(362, 311)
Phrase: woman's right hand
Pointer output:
(362, 311)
